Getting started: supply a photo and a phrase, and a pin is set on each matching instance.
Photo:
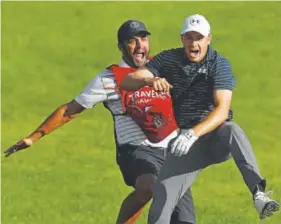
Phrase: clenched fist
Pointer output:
(159, 84)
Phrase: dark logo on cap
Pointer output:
(194, 22)
(134, 25)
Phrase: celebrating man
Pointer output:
(139, 159)
(201, 84)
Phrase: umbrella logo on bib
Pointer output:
(157, 121)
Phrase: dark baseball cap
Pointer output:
(131, 28)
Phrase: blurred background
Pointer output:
(51, 50)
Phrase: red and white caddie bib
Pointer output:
(151, 110)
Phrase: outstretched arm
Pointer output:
(91, 95)
(59, 117)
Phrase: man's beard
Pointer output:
(132, 63)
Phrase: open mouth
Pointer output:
(138, 56)
(194, 53)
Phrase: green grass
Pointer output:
(50, 50)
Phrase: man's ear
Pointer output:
(182, 39)
(209, 39)
(119, 46)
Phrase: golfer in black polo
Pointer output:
(201, 83)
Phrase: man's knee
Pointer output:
(156, 216)
(144, 187)
(229, 131)
(232, 127)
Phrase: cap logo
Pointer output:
(194, 22)
(134, 25)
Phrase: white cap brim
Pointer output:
(196, 29)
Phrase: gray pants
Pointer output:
(178, 173)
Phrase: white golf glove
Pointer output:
(183, 142)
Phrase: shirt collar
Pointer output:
(123, 64)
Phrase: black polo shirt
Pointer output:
(193, 83)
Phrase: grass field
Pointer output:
(50, 50)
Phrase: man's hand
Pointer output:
(23, 144)
(181, 145)
(159, 84)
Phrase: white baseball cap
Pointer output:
(197, 23)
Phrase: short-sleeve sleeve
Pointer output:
(93, 93)
(223, 77)
(156, 64)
